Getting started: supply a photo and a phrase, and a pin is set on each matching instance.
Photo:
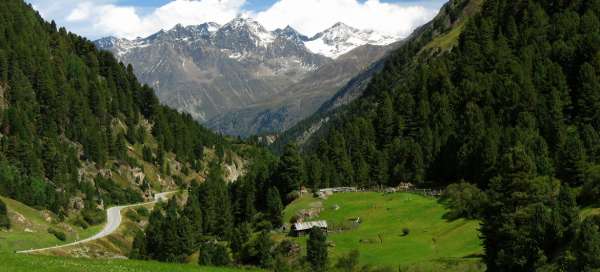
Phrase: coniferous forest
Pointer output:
(63, 103)
(508, 120)
(513, 109)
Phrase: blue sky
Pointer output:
(133, 18)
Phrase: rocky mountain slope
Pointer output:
(242, 79)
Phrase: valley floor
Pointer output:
(433, 243)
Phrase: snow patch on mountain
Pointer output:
(341, 39)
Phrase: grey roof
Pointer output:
(310, 225)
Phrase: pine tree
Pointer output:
(290, 172)
(274, 207)
(264, 250)
(154, 235)
(316, 250)
(587, 245)
(138, 248)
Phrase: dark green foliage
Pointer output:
(93, 215)
(58, 234)
(138, 249)
(586, 246)
(348, 263)
(464, 200)
(522, 72)
(513, 108)
(4, 220)
(133, 216)
(214, 254)
(290, 173)
(274, 207)
(147, 154)
(528, 220)
(143, 211)
(63, 94)
(590, 193)
(316, 250)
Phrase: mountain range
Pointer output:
(242, 79)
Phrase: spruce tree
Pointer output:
(316, 250)
(290, 172)
(138, 248)
(274, 207)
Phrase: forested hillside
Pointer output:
(514, 108)
(524, 73)
(69, 114)
(428, 41)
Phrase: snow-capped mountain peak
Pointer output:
(244, 26)
(341, 38)
(244, 33)
(291, 34)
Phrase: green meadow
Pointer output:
(29, 230)
(432, 243)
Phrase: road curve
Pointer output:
(113, 220)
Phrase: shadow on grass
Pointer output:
(473, 256)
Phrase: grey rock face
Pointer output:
(240, 78)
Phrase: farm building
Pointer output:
(302, 228)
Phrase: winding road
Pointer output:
(113, 220)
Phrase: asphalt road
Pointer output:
(113, 220)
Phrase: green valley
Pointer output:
(432, 242)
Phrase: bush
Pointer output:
(133, 216)
(93, 216)
(58, 234)
(405, 231)
(79, 221)
(590, 194)
(143, 211)
(4, 220)
(214, 254)
(348, 263)
(464, 200)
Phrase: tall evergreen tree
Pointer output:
(316, 250)
(274, 207)
(290, 172)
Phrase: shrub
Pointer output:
(133, 216)
(591, 186)
(93, 216)
(4, 220)
(214, 254)
(348, 263)
(79, 221)
(405, 231)
(143, 211)
(464, 200)
(58, 234)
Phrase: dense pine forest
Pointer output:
(513, 109)
(508, 120)
(63, 103)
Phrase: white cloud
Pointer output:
(312, 16)
(127, 21)
(97, 18)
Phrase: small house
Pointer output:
(301, 228)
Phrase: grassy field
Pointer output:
(433, 243)
(29, 230)
(27, 263)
